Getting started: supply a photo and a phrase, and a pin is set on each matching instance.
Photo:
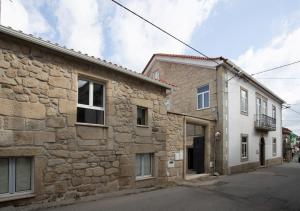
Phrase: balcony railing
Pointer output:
(264, 122)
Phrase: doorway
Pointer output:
(195, 156)
(262, 151)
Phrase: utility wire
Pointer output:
(162, 30)
(275, 68)
(281, 78)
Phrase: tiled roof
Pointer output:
(182, 56)
(188, 56)
(77, 54)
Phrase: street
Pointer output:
(275, 188)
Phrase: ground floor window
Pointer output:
(144, 165)
(274, 147)
(244, 147)
(15, 175)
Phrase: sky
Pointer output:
(255, 34)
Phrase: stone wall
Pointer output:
(38, 94)
(174, 145)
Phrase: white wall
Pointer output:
(240, 124)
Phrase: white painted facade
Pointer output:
(244, 124)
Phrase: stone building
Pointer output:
(73, 126)
(244, 116)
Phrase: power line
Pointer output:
(281, 78)
(163, 30)
(275, 68)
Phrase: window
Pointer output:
(261, 106)
(144, 164)
(156, 75)
(274, 147)
(273, 112)
(90, 106)
(15, 175)
(244, 147)
(244, 101)
(142, 116)
(203, 97)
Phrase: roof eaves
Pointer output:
(56, 47)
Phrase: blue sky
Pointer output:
(255, 34)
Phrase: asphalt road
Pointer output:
(276, 188)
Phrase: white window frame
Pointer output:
(91, 98)
(143, 176)
(156, 75)
(274, 146)
(12, 178)
(244, 158)
(241, 101)
(202, 93)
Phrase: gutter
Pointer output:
(55, 47)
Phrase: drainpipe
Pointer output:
(184, 147)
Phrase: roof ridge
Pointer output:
(188, 56)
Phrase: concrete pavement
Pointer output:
(276, 188)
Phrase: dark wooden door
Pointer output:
(262, 152)
(198, 157)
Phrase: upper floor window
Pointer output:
(90, 105)
(244, 147)
(273, 112)
(142, 116)
(203, 97)
(261, 106)
(16, 175)
(244, 101)
(156, 75)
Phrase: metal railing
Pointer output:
(264, 122)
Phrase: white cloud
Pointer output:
(134, 41)
(281, 50)
(79, 25)
(25, 16)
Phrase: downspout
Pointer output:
(215, 143)
(184, 148)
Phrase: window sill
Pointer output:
(16, 196)
(143, 126)
(90, 125)
(144, 178)
(201, 109)
(244, 159)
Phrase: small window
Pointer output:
(244, 101)
(244, 147)
(156, 75)
(144, 164)
(273, 112)
(15, 175)
(90, 106)
(142, 116)
(203, 97)
(274, 147)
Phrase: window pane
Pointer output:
(200, 103)
(23, 174)
(206, 99)
(4, 175)
(141, 116)
(83, 92)
(147, 164)
(138, 165)
(203, 89)
(86, 115)
(98, 95)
